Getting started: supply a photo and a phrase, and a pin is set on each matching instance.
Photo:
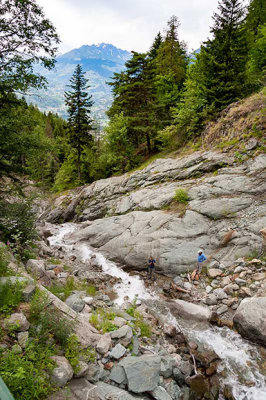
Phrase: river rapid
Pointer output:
(240, 360)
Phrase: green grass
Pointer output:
(102, 321)
(4, 261)
(227, 143)
(65, 291)
(10, 297)
(181, 196)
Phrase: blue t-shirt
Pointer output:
(201, 258)
(151, 263)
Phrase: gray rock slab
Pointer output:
(185, 309)
(118, 351)
(250, 319)
(222, 207)
(142, 372)
(118, 375)
(160, 394)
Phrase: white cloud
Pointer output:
(128, 24)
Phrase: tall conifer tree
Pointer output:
(80, 123)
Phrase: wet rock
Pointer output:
(250, 319)
(142, 372)
(198, 384)
(118, 351)
(62, 373)
(104, 344)
(75, 302)
(17, 322)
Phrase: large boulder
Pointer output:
(250, 319)
(195, 312)
(75, 302)
(142, 372)
(17, 322)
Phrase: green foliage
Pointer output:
(10, 297)
(64, 291)
(4, 261)
(102, 321)
(27, 375)
(181, 196)
(17, 224)
(75, 353)
(80, 124)
(47, 321)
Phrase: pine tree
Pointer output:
(224, 57)
(80, 123)
(171, 64)
(256, 17)
(155, 46)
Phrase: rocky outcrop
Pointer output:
(250, 319)
(130, 216)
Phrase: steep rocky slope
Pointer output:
(130, 216)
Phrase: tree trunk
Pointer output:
(148, 143)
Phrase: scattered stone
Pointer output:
(245, 292)
(75, 302)
(104, 344)
(82, 369)
(225, 281)
(211, 299)
(167, 365)
(17, 349)
(118, 351)
(213, 272)
(62, 373)
(179, 376)
(94, 373)
(28, 292)
(169, 330)
(124, 334)
(220, 294)
(260, 276)
(23, 339)
(17, 322)
(251, 144)
(135, 349)
(240, 281)
(187, 286)
(119, 322)
(142, 372)
(222, 309)
(160, 394)
(50, 266)
(209, 289)
(88, 300)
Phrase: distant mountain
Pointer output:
(98, 61)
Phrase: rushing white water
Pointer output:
(239, 358)
(130, 285)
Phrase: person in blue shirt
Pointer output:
(201, 259)
(151, 268)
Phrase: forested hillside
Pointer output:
(162, 100)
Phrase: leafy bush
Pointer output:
(74, 353)
(64, 291)
(4, 260)
(26, 374)
(48, 323)
(17, 224)
(102, 321)
(10, 297)
(181, 196)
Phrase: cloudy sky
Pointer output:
(128, 24)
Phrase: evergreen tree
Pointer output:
(224, 57)
(171, 64)
(155, 46)
(80, 123)
(256, 17)
(133, 95)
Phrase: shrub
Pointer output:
(74, 353)
(10, 297)
(48, 323)
(102, 321)
(17, 224)
(4, 260)
(181, 196)
(70, 286)
(26, 374)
